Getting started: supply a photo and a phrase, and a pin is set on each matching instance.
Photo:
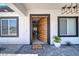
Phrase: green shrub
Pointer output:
(57, 39)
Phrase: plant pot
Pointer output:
(57, 44)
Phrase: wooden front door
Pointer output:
(43, 27)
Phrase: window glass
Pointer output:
(0, 27)
(4, 27)
(71, 26)
(8, 26)
(63, 26)
(12, 27)
(67, 26)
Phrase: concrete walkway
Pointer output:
(47, 50)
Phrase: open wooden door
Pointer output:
(41, 27)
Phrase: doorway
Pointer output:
(39, 28)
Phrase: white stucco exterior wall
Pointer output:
(54, 24)
(23, 30)
(73, 40)
(24, 27)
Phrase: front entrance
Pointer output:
(40, 28)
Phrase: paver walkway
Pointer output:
(47, 50)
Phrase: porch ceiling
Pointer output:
(44, 6)
(23, 8)
(18, 8)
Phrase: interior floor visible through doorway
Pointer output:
(38, 42)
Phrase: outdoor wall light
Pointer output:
(72, 8)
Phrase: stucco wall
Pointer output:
(54, 24)
(23, 30)
(24, 27)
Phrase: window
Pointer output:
(68, 26)
(9, 26)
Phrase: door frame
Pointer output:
(48, 26)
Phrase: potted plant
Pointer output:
(57, 41)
